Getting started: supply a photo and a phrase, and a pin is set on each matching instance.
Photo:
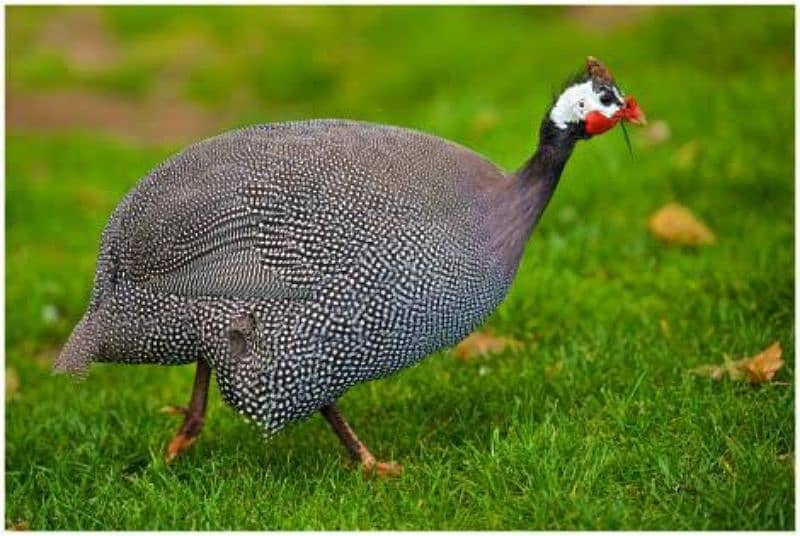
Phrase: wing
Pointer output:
(229, 227)
(273, 211)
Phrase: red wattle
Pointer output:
(597, 123)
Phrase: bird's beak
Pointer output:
(631, 112)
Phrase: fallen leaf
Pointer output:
(20, 524)
(758, 369)
(482, 344)
(12, 384)
(675, 224)
(762, 367)
(656, 132)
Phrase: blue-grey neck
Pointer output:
(540, 175)
(530, 190)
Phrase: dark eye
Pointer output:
(607, 99)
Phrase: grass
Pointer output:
(596, 424)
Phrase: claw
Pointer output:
(179, 443)
(382, 469)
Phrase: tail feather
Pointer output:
(81, 349)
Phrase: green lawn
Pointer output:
(596, 423)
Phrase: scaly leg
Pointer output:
(358, 451)
(195, 413)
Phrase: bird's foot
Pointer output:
(185, 438)
(374, 468)
(179, 443)
(358, 450)
(383, 470)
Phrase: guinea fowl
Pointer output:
(295, 260)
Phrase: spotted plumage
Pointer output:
(299, 259)
(351, 249)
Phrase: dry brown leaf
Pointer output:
(675, 224)
(12, 384)
(757, 369)
(482, 344)
(762, 367)
(656, 132)
(20, 524)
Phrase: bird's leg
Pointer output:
(358, 450)
(194, 414)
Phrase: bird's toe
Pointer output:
(179, 444)
(175, 410)
(383, 469)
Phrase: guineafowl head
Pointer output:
(592, 103)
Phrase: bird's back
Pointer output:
(270, 210)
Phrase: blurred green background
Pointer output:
(597, 423)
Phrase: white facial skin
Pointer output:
(579, 100)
